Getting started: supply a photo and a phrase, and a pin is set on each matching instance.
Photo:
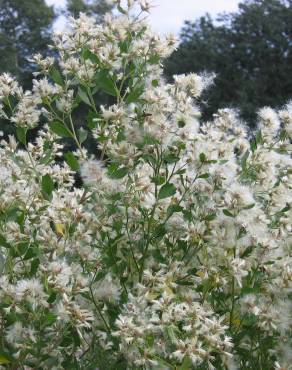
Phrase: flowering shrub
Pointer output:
(175, 253)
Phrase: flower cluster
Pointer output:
(175, 251)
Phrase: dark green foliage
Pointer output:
(91, 7)
(250, 51)
(25, 27)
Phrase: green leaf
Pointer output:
(105, 82)
(59, 129)
(30, 253)
(203, 157)
(121, 10)
(21, 134)
(173, 208)
(4, 360)
(34, 266)
(71, 161)
(166, 191)
(56, 76)
(286, 208)
(116, 172)
(83, 96)
(52, 297)
(47, 186)
(253, 145)
(250, 206)
(124, 46)
(244, 159)
(158, 180)
(187, 215)
(247, 251)
(204, 176)
(82, 135)
(135, 94)
(50, 319)
(227, 213)
(3, 242)
(159, 231)
(186, 364)
(87, 54)
(170, 331)
(19, 249)
(91, 120)
(170, 158)
(154, 59)
(210, 217)
(150, 340)
(155, 83)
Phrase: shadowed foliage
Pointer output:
(250, 51)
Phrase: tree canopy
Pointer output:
(91, 7)
(24, 30)
(250, 51)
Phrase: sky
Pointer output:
(167, 16)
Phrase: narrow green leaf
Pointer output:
(170, 331)
(155, 83)
(59, 129)
(204, 176)
(210, 217)
(154, 59)
(203, 157)
(250, 206)
(244, 159)
(247, 251)
(56, 76)
(159, 231)
(71, 161)
(166, 191)
(170, 158)
(3, 242)
(34, 266)
(52, 297)
(82, 135)
(135, 93)
(186, 364)
(50, 319)
(227, 213)
(158, 180)
(105, 82)
(21, 134)
(173, 208)
(47, 186)
(83, 96)
(116, 172)
(121, 10)
(4, 360)
(87, 54)
(286, 208)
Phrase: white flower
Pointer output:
(239, 269)
(238, 196)
(193, 83)
(107, 289)
(269, 121)
(93, 172)
(32, 291)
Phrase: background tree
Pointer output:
(250, 51)
(24, 30)
(92, 7)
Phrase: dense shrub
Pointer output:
(175, 253)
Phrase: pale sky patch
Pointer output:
(168, 15)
